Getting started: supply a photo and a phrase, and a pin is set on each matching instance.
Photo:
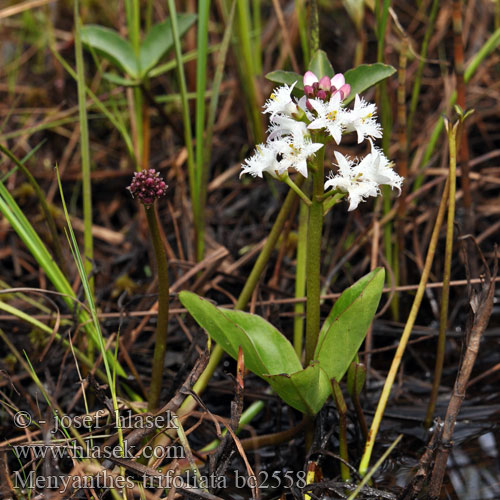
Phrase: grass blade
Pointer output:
(201, 83)
(181, 77)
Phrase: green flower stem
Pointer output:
(246, 293)
(331, 202)
(445, 295)
(300, 279)
(314, 234)
(162, 320)
(286, 179)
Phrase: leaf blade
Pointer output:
(159, 40)
(320, 65)
(231, 329)
(110, 45)
(345, 327)
(365, 76)
(305, 390)
(276, 352)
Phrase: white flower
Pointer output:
(351, 181)
(283, 125)
(362, 180)
(362, 119)
(263, 160)
(281, 102)
(302, 104)
(294, 151)
(330, 116)
(379, 169)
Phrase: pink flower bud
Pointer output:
(338, 81)
(308, 91)
(324, 84)
(321, 94)
(310, 78)
(345, 90)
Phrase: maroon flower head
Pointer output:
(147, 185)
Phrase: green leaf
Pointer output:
(159, 40)
(345, 327)
(274, 349)
(306, 390)
(320, 65)
(288, 77)
(110, 45)
(266, 350)
(365, 76)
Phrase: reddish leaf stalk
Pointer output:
(163, 305)
(342, 409)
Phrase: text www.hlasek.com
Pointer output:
(73, 449)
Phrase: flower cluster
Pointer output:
(147, 185)
(320, 112)
(362, 179)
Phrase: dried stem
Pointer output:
(443, 320)
(482, 306)
(384, 397)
